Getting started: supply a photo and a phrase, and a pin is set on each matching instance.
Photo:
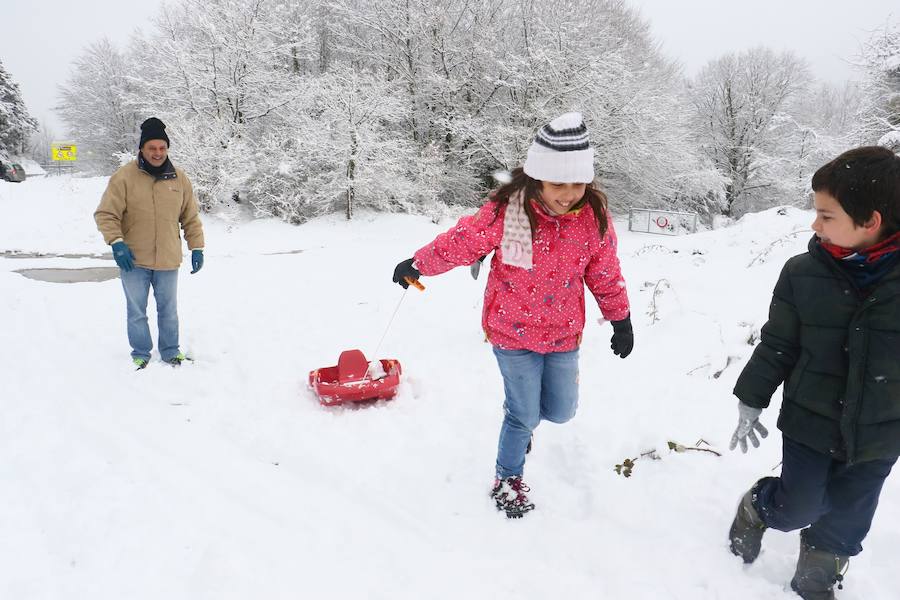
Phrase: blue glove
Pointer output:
(196, 260)
(124, 257)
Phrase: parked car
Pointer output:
(11, 171)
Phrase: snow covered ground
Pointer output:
(226, 479)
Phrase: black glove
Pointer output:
(622, 341)
(405, 269)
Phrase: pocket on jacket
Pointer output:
(169, 203)
(793, 382)
(817, 392)
(880, 400)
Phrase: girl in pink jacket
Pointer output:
(551, 235)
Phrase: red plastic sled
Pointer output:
(348, 381)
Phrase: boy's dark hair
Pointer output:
(864, 180)
(531, 188)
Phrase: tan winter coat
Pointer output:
(145, 212)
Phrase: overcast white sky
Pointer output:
(39, 38)
(825, 32)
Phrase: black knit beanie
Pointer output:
(153, 129)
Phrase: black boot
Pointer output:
(747, 528)
(817, 572)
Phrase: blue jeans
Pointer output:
(136, 284)
(538, 387)
(837, 500)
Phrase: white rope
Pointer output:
(374, 357)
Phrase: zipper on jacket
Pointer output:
(866, 304)
(851, 452)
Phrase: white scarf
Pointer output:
(516, 242)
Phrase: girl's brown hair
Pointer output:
(531, 190)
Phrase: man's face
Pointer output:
(835, 226)
(155, 152)
(559, 198)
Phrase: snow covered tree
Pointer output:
(880, 112)
(335, 152)
(821, 124)
(431, 57)
(479, 78)
(597, 56)
(40, 142)
(216, 71)
(744, 122)
(302, 107)
(100, 108)
(16, 125)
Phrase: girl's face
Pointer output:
(835, 226)
(559, 198)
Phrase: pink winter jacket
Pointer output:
(539, 309)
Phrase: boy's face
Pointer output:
(559, 198)
(835, 226)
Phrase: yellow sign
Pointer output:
(63, 151)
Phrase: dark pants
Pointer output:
(837, 500)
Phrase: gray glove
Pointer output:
(748, 420)
(475, 267)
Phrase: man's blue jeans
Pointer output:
(136, 284)
(837, 500)
(538, 387)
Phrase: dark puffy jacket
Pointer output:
(838, 353)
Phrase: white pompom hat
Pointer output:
(561, 152)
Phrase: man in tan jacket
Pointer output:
(139, 215)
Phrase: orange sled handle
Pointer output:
(415, 283)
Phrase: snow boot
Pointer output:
(747, 528)
(140, 363)
(818, 571)
(509, 496)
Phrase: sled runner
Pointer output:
(351, 380)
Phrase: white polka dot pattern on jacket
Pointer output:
(542, 308)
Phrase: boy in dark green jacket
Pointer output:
(833, 339)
